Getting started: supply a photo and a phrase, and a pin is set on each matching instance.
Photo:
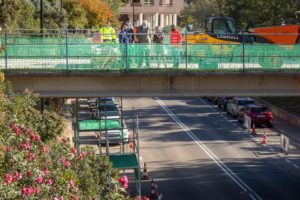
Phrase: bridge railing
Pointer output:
(85, 50)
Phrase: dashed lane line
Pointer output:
(222, 166)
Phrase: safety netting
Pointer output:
(82, 53)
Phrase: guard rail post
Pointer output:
(243, 40)
(5, 49)
(66, 46)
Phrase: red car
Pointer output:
(258, 114)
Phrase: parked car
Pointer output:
(259, 115)
(116, 136)
(236, 104)
(222, 102)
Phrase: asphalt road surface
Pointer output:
(194, 152)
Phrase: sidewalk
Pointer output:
(290, 130)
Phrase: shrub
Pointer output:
(34, 170)
(35, 165)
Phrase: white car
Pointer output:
(236, 104)
(116, 136)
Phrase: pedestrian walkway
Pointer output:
(288, 129)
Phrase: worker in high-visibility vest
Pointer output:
(108, 33)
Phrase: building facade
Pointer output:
(161, 13)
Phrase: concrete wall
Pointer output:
(138, 85)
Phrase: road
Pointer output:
(194, 152)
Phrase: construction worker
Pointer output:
(108, 33)
(176, 43)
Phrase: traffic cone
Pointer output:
(253, 129)
(153, 192)
(145, 173)
(264, 138)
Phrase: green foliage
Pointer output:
(58, 14)
(21, 109)
(10, 13)
(75, 13)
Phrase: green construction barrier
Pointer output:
(94, 125)
(124, 161)
(80, 53)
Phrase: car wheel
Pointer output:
(270, 125)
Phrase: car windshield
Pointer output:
(258, 110)
(245, 102)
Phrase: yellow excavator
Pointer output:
(220, 43)
(223, 30)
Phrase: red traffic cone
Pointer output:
(253, 129)
(145, 173)
(264, 138)
(153, 192)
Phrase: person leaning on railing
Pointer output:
(125, 38)
(176, 44)
(143, 35)
(158, 39)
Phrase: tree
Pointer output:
(10, 13)
(27, 19)
(198, 12)
(97, 13)
(76, 14)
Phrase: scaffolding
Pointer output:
(100, 122)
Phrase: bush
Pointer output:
(33, 170)
(20, 108)
(35, 165)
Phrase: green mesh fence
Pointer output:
(95, 125)
(79, 52)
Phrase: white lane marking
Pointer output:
(223, 167)
(287, 160)
(271, 149)
(296, 166)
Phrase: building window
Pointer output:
(136, 1)
(148, 2)
(160, 2)
(168, 2)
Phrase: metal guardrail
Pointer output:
(84, 50)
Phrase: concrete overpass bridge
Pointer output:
(72, 64)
